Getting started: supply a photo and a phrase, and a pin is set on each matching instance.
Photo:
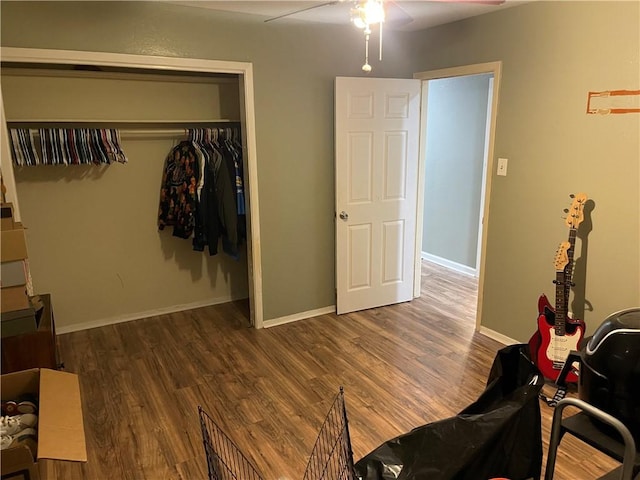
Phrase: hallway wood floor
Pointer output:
(401, 366)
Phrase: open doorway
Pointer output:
(457, 132)
(458, 115)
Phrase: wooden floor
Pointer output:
(401, 366)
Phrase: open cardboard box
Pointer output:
(60, 427)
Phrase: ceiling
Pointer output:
(406, 15)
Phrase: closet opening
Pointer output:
(93, 235)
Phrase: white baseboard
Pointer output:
(458, 267)
(498, 337)
(298, 316)
(140, 315)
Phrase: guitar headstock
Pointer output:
(575, 214)
(562, 257)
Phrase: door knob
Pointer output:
(344, 215)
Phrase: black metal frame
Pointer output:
(225, 461)
(624, 451)
(332, 457)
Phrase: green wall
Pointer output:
(294, 71)
(553, 54)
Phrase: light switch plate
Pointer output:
(502, 166)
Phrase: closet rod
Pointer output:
(133, 129)
(86, 123)
(164, 133)
(156, 133)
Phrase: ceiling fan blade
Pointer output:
(333, 2)
(395, 15)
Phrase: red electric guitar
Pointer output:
(558, 334)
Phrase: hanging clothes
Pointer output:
(207, 232)
(235, 150)
(242, 223)
(214, 203)
(178, 192)
(226, 188)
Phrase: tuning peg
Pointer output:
(566, 210)
(571, 195)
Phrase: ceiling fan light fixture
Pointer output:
(364, 14)
(357, 20)
(367, 12)
(373, 11)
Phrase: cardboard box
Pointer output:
(13, 274)
(6, 217)
(60, 425)
(13, 245)
(13, 298)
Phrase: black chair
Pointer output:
(619, 445)
(225, 461)
(332, 457)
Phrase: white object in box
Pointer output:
(60, 425)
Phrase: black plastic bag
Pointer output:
(499, 435)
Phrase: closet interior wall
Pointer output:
(92, 230)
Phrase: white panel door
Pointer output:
(377, 141)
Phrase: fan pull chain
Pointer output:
(380, 50)
(366, 67)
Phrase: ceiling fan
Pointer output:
(367, 13)
(389, 7)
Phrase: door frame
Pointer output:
(494, 68)
(247, 113)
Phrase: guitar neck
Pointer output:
(564, 264)
(561, 304)
(568, 270)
